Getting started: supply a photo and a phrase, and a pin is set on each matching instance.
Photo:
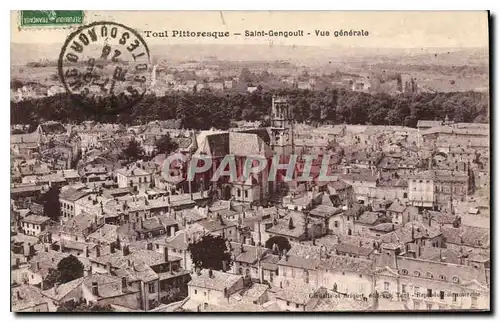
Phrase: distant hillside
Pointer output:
(310, 55)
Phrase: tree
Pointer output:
(69, 268)
(166, 145)
(51, 204)
(82, 306)
(210, 252)
(133, 152)
(51, 279)
(280, 241)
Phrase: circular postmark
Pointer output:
(105, 65)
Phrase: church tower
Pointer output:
(281, 126)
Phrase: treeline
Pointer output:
(206, 109)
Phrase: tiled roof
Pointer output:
(353, 249)
(249, 254)
(347, 264)
(218, 281)
(108, 286)
(26, 296)
(467, 235)
(270, 262)
(298, 262)
(216, 224)
(397, 207)
(36, 219)
(106, 234)
(324, 211)
(179, 241)
(295, 292)
(368, 218)
(304, 250)
(72, 194)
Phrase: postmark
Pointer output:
(105, 66)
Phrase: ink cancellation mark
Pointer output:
(46, 19)
(105, 62)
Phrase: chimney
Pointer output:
(124, 285)
(224, 266)
(37, 265)
(95, 289)
(165, 253)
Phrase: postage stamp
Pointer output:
(50, 18)
(105, 60)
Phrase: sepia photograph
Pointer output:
(250, 161)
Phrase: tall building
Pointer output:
(281, 126)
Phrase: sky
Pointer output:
(387, 29)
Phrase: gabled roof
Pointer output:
(219, 280)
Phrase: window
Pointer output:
(405, 195)
(455, 279)
(195, 291)
(386, 286)
(239, 192)
(429, 292)
(404, 272)
(416, 290)
(429, 275)
(287, 303)
(296, 306)
(442, 277)
(454, 297)
(336, 224)
(441, 295)
(205, 293)
(403, 288)
(416, 273)
(151, 287)
(246, 193)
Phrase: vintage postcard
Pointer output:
(260, 161)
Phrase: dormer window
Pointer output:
(404, 272)
(416, 273)
(442, 277)
(429, 275)
(455, 279)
